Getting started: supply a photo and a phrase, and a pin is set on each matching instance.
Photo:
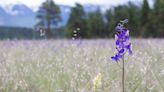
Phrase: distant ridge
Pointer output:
(20, 15)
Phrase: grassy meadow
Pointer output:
(73, 66)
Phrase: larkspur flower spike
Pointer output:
(123, 44)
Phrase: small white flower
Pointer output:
(74, 34)
(73, 38)
(127, 33)
(116, 37)
(78, 28)
(75, 31)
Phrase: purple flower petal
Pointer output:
(126, 21)
(117, 28)
(126, 38)
(129, 51)
(117, 42)
(121, 51)
(123, 32)
(128, 46)
(116, 57)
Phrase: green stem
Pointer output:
(123, 74)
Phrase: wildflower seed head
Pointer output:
(97, 81)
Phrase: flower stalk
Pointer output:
(123, 45)
(123, 74)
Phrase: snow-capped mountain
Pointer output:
(19, 15)
(3, 16)
(22, 10)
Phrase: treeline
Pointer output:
(16, 33)
(144, 22)
(12, 33)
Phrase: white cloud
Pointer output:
(101, 2)
(26, 2)
(36, 3)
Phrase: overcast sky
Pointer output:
(36, 3)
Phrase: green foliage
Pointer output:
(77, 20)
(120, 12)
(159, 17)
(134, 17)
(110, 22)
(96, 25)
(16, 33)
(26, 33)
(49, 15)
(145, 11)
(144, 21)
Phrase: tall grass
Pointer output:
(62, 66)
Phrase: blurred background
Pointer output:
(89, 19)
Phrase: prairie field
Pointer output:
(80, 66)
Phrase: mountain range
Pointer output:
(19, 15)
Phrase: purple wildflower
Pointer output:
(122, 40)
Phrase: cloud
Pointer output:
(37, 3)
(66, 2)
(100, 2)
(26, 2)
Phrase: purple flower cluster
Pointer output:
(122, 40)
